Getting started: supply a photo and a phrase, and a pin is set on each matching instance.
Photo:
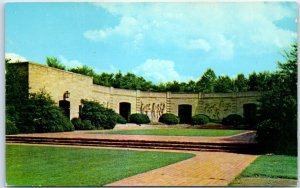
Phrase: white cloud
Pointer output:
(126, 27)
(69, 63)
(226, 47)
(15, 57)
(218, 28)
(199, 44)
(158, 70)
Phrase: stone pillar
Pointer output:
(138, 102)
(111, 98)
(168, 105)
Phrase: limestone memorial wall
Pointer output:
(56, 82)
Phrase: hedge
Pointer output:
(99, 116)
(40, 114)
(82, 124)
(169, 119)
(139, 118)
(233, 119)
(200, 119)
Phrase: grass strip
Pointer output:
(174, 132)
(69, 166)
(268, 170)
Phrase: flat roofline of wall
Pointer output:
(202, 95)
(46, 66)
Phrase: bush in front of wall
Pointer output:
(233, 119)
(99, 116)
(139, 118)
(169, 119)
(82, 124)
(10, 127)
(120, 119)
(200, 119)
(41, 115)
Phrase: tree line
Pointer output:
(209, 82)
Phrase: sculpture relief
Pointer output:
(217, 110)
(153, 110)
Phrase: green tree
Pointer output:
(54, 62)
(161, 87)
(173, 86)
(104, 79)
(206, 84)
(117, 80)
(223, 84)
(85, 70)
(240, 83)
(264, 81)
(277, 131)
(191, 86)
(16, 93)
(253, 82)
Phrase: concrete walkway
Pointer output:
(206, 169)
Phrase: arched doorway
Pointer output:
(185, 113)
(125, 109)
(65, 105)
(250, 111)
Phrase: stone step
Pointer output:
(146, 144)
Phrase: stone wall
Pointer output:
(56, 82)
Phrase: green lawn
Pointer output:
(174, 132)
(67, 166)
(270, 168)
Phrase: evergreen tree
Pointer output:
(206, 83)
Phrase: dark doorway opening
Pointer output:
(125, 109)
(185, 113)
(65, 105)
(250, 113)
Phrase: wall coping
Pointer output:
(200, 94)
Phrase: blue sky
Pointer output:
(159, 41)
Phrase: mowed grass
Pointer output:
(70, 166)
(174, 132)
(270, 167)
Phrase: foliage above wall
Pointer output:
(207, 83)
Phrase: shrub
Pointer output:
(275, 138)
(82, 124)
(10, 127)
(121, 119)
(200, 119)
(40, 114)
(169, 119)
(139, 118)
(99, 116)
(232, 119)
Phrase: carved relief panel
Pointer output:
(153, 110)
(217, 109)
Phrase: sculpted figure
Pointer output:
(153, 111)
